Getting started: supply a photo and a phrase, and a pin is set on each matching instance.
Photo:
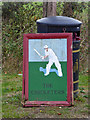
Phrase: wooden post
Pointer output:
(49, 8)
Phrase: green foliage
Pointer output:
(81, 88)
(59, 9)
(20, 17)
(80, 98)
(9, 9)
(81, 91)
(23, 21)
(81, 13)
(86, 96)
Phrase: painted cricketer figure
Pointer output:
(52, 59)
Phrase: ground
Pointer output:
(12, 107)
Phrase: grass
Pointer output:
(83, 80)
(0, 96)
(12, 107)
(11, 83)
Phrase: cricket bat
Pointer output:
(37, 52)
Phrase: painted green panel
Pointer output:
(47, 88)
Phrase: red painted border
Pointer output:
(69, 68)
(68, 36)
(47, 103)
(25, 68)
(23, 88)
(26, 83)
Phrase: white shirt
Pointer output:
(50, 54)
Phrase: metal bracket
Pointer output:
(64, 30)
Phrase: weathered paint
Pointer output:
(47, 88)
(66, 102)
(51, 87)
(58, 45)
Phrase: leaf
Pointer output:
(86, 96)
(81, 91)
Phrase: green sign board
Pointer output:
(46, 60)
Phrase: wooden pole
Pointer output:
(49, 8)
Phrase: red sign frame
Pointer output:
(69, 101)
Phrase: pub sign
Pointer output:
(47, 69)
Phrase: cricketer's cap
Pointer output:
(45, 46)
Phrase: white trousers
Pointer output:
(57, 64)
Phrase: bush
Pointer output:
(19, 18)
(13, 28)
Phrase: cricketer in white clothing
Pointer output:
(52, 59)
